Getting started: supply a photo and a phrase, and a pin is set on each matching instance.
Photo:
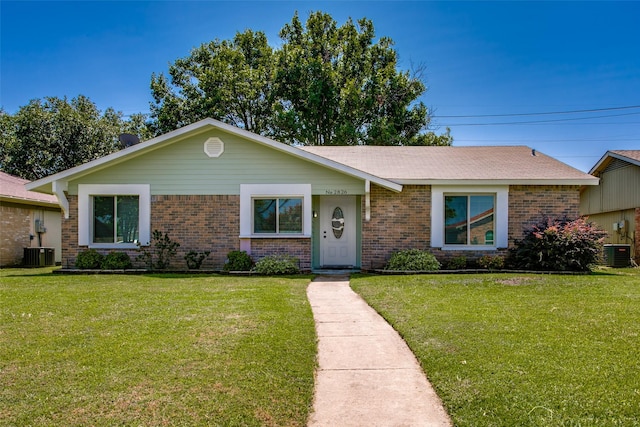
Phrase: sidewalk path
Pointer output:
(367, 375)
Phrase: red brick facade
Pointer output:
(14, 233)
(199, 223)
(403, 220)
(299, 248)
(398, 221)
(528, 204)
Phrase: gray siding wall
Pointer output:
(619, 189)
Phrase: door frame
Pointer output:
(319, 204)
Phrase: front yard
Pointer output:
(154, 350)
(522, 350)
(500, 349)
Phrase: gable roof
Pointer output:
(456, 165)
(628, 156)
(46, 184)
(12, 189)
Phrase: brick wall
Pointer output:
(528, 204)
(398, 221)
(15, 224)
(402, 220)
(199, 223)
(299, 248)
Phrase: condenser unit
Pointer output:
(618, 256)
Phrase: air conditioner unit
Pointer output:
(617, 256)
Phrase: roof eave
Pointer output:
(30, 202)
(569, 181)
(610, 154)
(44, 185)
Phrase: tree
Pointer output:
(325, 85)
(51, 135)
(226, 80)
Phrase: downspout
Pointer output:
(367, 200)
(59, 187)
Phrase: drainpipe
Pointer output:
(367, 200)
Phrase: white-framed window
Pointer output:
(114, 216)
(275, 210)
(469, 217)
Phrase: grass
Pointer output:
(154, 350)
(522, 350)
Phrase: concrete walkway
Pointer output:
(367, 375)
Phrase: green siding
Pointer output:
(183, 168)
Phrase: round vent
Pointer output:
(213, 147)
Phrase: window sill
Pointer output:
(276, 236)
(113, 246)
(469, 248)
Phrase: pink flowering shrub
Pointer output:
(558, 245)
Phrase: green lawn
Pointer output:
(109, 350)
(522, 350)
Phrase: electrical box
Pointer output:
(39, 226)
(622, 224)
(615, 226)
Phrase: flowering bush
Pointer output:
(558, 245)
(491, 262)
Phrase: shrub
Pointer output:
(116, 261)
(194, 259)
(412, 260)
(277, 264)
(457, 263)
(558, 245)
(164, 249)
(491, 262)
(89, 259)
(238, 261)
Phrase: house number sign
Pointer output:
(336, 192)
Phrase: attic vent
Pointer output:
(213, 147)
(615, 164)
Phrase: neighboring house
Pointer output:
(27, 220)
(615, 203)
(212, 186)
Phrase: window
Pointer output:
(115, 219)
(114, 215)
(469, 219)
(275, 211)
(277, 216)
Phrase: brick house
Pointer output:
(212, 186)
(27, 220)
(615, 203)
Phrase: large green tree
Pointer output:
(229, 80)
(53, 134)
(325, 85)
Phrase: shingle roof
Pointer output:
(496, 163)
(12, 188)
(631, 154)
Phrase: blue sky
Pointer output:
(494, 59)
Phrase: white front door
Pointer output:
(338, 231)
